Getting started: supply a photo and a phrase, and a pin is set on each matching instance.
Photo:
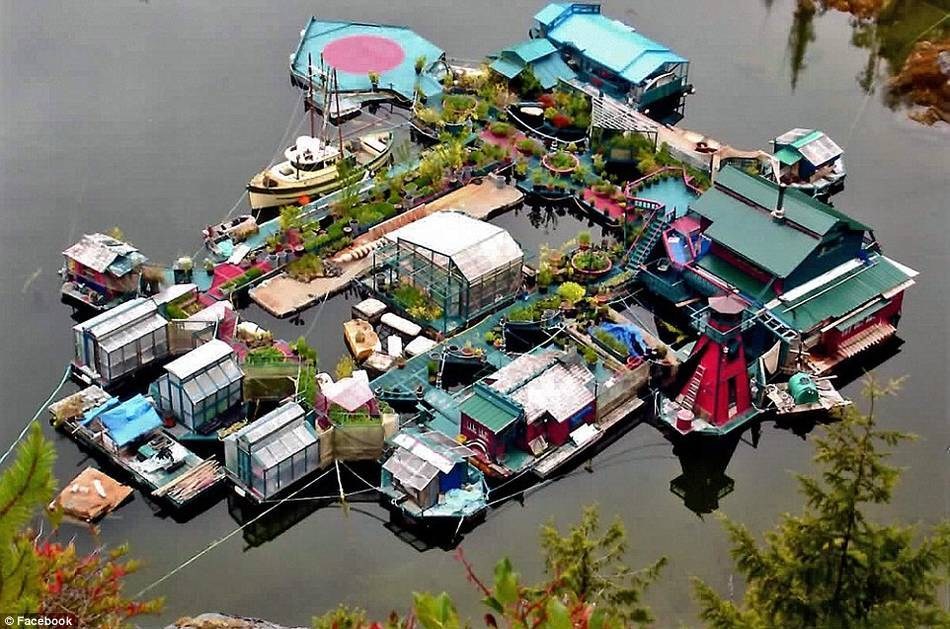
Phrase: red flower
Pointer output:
(560, 121)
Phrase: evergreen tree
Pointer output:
(588, 587)
(38, 575)
(23, 486)
(832, 566)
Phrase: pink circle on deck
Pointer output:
(361, 54)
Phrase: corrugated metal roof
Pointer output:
(751, 233)
(475, 247)
(550, 12)
(199, 358)
(101, 253)
(614, 45)
(531, 49)
(560, 391)
(489, 409)
(841, 295)
(410, 470)
(814, 146)
(521, 369)
(788, 157)
(810, 213)
(436, 453)
(507, 68)
(550, 70)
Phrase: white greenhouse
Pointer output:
(462, 265)
(272, 453)
(201, 385)
(119, 342)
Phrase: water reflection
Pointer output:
(801, 34)
(704, 481)
(889, 32)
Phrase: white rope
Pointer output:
(287, 131)
(221, 540)
(35, 415)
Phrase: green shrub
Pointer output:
(611, 342)
(571, 292)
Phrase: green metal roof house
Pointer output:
(812, 275)
(616, 58)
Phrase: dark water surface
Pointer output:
(152, 116)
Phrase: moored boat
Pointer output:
(312, 168)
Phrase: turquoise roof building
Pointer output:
(538, 54)
(356, 51)
(616, 58)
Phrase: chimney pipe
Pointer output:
(778, 214)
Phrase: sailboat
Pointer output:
(312, 164)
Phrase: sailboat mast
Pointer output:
(336, 92)
(311, 105)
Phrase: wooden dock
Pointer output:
(283, 296)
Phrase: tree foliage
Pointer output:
(832, 566)
(39, 575)
(588, 586)
(25, 485)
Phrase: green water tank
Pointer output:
(803, 388)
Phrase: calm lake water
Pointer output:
(153, 115)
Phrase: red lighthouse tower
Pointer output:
(718, 391)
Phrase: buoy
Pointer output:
(304, 200)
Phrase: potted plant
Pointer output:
(545, 277)
(374, 80)
(209, 266)
(583, 240)
(420, 64)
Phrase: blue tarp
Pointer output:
(127, 421)
(629, 335)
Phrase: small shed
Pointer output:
(425, 464)
(119, 425)
(272, 453)
(120, 341)
(491, 421)
(104, 264)
(201, 385)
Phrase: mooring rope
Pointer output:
(214, 544)
(35, 415)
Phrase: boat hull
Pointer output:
(322, 183)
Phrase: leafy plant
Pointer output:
(344, 367)
(611, 342)
(306, 268)
(420, 64)
(264, 355)
(501, 129)
(571, 292)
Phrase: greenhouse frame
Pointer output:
(465, 266)
(272, 453)
(120, 341)
(201, 385)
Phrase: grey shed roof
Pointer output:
(475, 247)
(410, 470)
(101, 253)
